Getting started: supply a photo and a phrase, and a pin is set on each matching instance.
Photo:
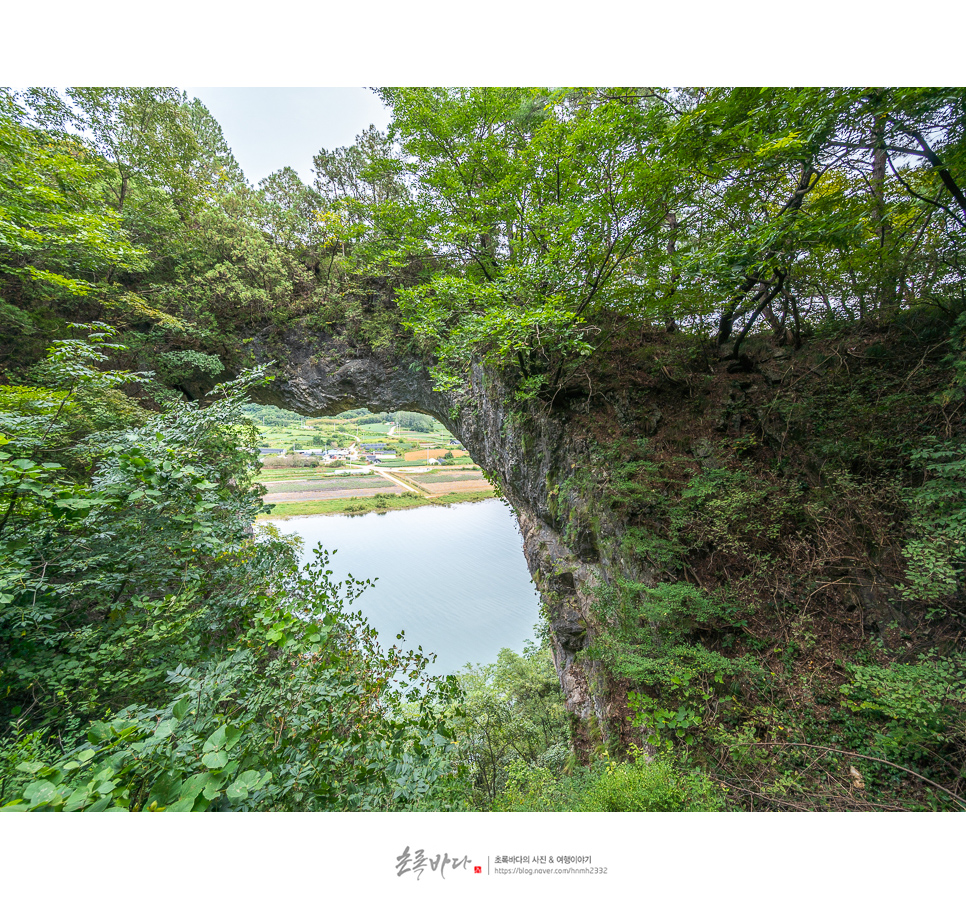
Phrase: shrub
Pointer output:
(649, 785)
(645, 784)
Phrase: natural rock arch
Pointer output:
(523, 454)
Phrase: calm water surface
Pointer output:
(454, 578)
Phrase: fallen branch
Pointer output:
(829, 750)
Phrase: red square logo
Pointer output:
(478, 870)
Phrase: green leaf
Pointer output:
(180, 709)
(216, 739)
(249, 778)
(215, 760)
(101, 804)
(166, 787)
(237, 792)
(40, 792)
(99, 732)
(193, 785)
(232, 736)
(181, 805)
(30, 767)
(165, 728)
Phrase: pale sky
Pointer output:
(271, 127)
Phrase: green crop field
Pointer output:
(400, 464)
(326, 484)
(378, 504)
(445, 475)
(275, 474)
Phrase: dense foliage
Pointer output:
(159, 655)
(554, 218)
(787, 614)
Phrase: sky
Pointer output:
(271, 127)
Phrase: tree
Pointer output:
(559, 217)
(219, 165)
(291, 213)
(413, 421)
(511, 712)
(143, 132)
(537, 202)
(57, 243)
(361, 177)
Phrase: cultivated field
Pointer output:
(438, 453)
(385, 488)
(326, 484)
(447, 488)
(447, 476)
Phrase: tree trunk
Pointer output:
(887, 282)
(672, 222)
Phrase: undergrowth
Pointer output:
(788, 621)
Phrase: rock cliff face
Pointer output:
(525, 455)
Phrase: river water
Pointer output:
(454, 578)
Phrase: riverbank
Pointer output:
(377, 503)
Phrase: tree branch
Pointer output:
(779, 282)
(937, 163)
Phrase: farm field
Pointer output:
(447, 476)
(379, 504)
(438, 434)
(424, 454)
(328, 494)
(302, 486)
(316, 434)
(402, 464)
(318, 495)
(324, 484)
(435, 483)
(446, 488)
(307, 472)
